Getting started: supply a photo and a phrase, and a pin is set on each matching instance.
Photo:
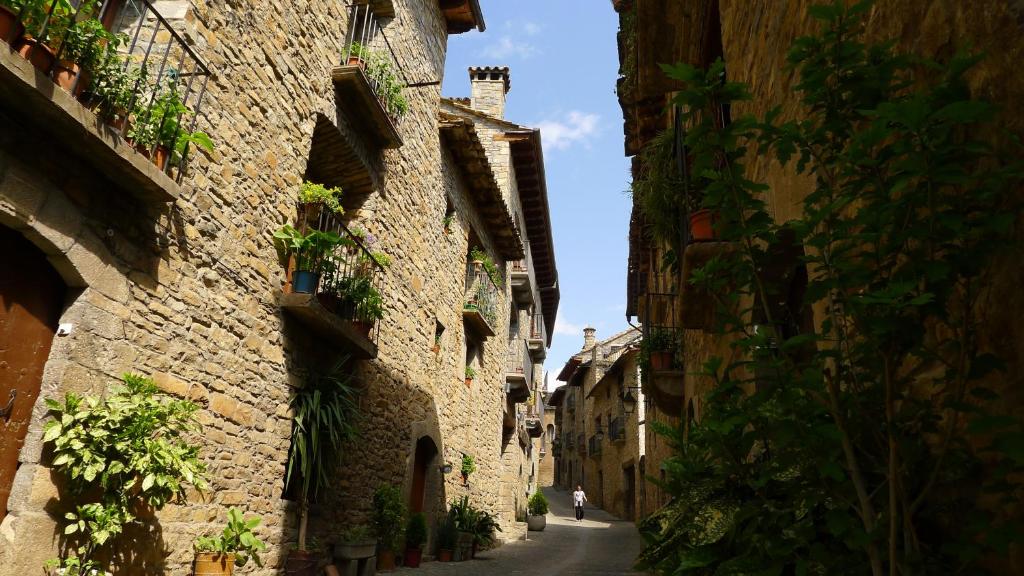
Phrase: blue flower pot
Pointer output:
(305, 282)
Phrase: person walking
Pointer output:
(578, 498)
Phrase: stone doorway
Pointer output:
(32, 297)
(425, 461)
(629, 506)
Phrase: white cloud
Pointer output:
(506, 47)
(531, 28)
(568, 328)
(575, 127)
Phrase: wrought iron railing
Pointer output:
(662, 335)
(482, 294)
(350, 283)
(519, 361)
(368, 47)
(616, 429)
(123, 60)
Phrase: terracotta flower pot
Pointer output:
(40, 55)
(301, 563)
(413, 557)
(469, 381)
(386, 560)
(661, 360)
(213, 564)
(363, 328)
(65, 73)
(357, 61)
(702, 225)
(444, 555)
(10, 28)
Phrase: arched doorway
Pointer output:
(31, 300)
(425, 461)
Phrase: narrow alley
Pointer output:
(601, 545)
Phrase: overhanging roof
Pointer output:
(569, 369)
(459, 135)
(528, 161)
(463, 15)
(556, 397)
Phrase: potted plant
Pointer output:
(702, 225)
(356, 543)
(468, 467)
(11, 29)
(437, 344)
(537, 509)
(218, 555)
(34, 15)
(310, 251)
(358, 55)
(464, 517)
(84, 50)
(314, 196)
(324, 419)
(415, 538)
(483, 531)
(661, 344)
(113, 85)
(388, 519)
(449, 218)
(447, 540)
(157, 129)
(470, 374)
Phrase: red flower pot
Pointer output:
(413, 557)
(444, 555)
(65, 73)
(10, 28)
(661, 360)
(702, 225)
(386, 560)
(40, 55)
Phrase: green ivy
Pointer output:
(131, 448)
(864, 444)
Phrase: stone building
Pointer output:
(170, 271)
(753, 38)
(546, 474)
(599, 443)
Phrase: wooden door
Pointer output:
(425, 453)
(31, 300)
(629, 475)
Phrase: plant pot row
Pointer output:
(41, 55)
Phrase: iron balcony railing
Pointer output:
(126, 63)
(482, 294)
(593, 446)
(519, 361)
(525, 266)
(368, 47)
(662, 336)
(537, 329)
(616, 429)
(350, 284)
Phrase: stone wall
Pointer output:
(185, 293)
(546, 474)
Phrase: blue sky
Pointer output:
(564, 62)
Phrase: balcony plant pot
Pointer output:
(444, 555)
(213, 564)
(301, 563)
(354, 60)
(363, 327)
(355, 550)
(305, 282)
(65, 72)
(702, 225)
(469, 381)
(536, 523)
(158, 156)
(11, 29)
(661, 360)
(385, 559)
(40, 55)
(413, 557)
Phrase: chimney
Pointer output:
(490, 85)
(589, 337)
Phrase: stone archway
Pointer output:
(424, 462)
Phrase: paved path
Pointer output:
(601, 546)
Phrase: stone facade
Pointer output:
(185, 292)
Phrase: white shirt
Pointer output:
(578, 497)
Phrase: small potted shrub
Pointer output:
(483, 531)
(388, 519)
(314, 197)
(465, 517)
(470, 374)
(310, 251)
(468, 467)
(356, 543)
(233, 547)
(358, 55)
(11, 29)
(415, 538)
(537, 509)
(661, 345)
(702, 225)
(84, 50)
(447, 540)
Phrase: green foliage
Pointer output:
(462, 513)
(237, 538)
(325, 414)
(87, 43)
(468, 462)
(477, 254)
(360, 295)
(447, 534)
(113, 84)
(124, 452)
(389, 515)
(416, 531)
(538, 504)
(854, 446)
(390, 89)
(312, 193)
(311, 250)
(470, 372)
(162, 122)
(356, 535)
(660, 340)
(484, 528)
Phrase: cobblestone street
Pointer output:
(602, 545)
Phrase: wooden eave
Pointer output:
(334, 161)
(528, 161)
(357, 99)
(380, 8)
(462, 15)
(556, 397)
(460, 137)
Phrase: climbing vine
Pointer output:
(870, 441)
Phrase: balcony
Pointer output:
(369, 82)
(115, 81)
(593, 447)
(519, 371)
(537, 340)
(617, 430)
(663, 348)
(534, 427)
(344, 305)
(480, 311)
(524, 283)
